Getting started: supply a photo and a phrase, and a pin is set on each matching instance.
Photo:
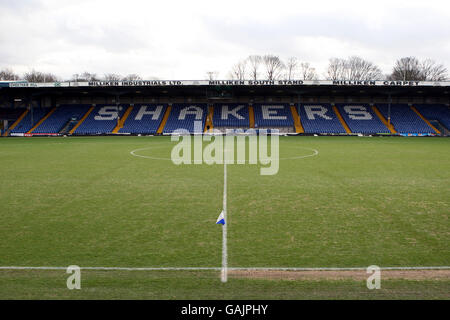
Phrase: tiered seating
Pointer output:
(144, 119)
(404, 119)
(437, 112)
(231, 115)
(61, 116)
(319, 118)
(103, 119)
(273, 115)
(184, 115)
(30, 120)
(147, 118)
(361, 119)
(11, 114)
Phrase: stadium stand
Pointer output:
(297, 123)
(231, 115)
(160, 107)
(251, 116)
(273, 115)
(8, 117)
(103, 119)
(183, 116)
(60, 118)
(436, 112)
(150, 118)
(144, 119)
(404, 119)
(319, 118)
(10, 114)
(361, 119)
(30, 120)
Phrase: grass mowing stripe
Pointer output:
(86, 201)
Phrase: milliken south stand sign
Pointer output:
(171, 83)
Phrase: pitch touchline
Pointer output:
(220, 268)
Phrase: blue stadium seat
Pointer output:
(319, 118)
(437, 112)
(61, 116)
(360, 118)
(231, 115)
(11, 114)
(272, 115)
(404, 119)
(30, 120)
(103, 119)
(144, 119)
(183, 116)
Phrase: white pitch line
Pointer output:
(220, 268)
(113, 268)
(134, 153)
(224, 275)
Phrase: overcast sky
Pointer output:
(185, 39)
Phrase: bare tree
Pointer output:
(406, 69)
(360, 69)
(112, 77)
(238, 70)
(132, 77)
(353, 68)
(307, 72)
(212, 75)
(85, 76)
(8, 74)
(431, 71)
(336, 69)
(37, 76)
(254, 63)
(273, 66)
(291, 67)
(412, 69)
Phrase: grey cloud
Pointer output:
(32, 34)
(410, 30)
(19, 6)
(112, 38)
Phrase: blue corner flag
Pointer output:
(221, 219)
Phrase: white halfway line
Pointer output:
(228, 268)
(224, 274)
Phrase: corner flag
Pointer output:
(221, 219)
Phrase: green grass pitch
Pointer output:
(87, 201)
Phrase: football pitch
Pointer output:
(120, 203)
